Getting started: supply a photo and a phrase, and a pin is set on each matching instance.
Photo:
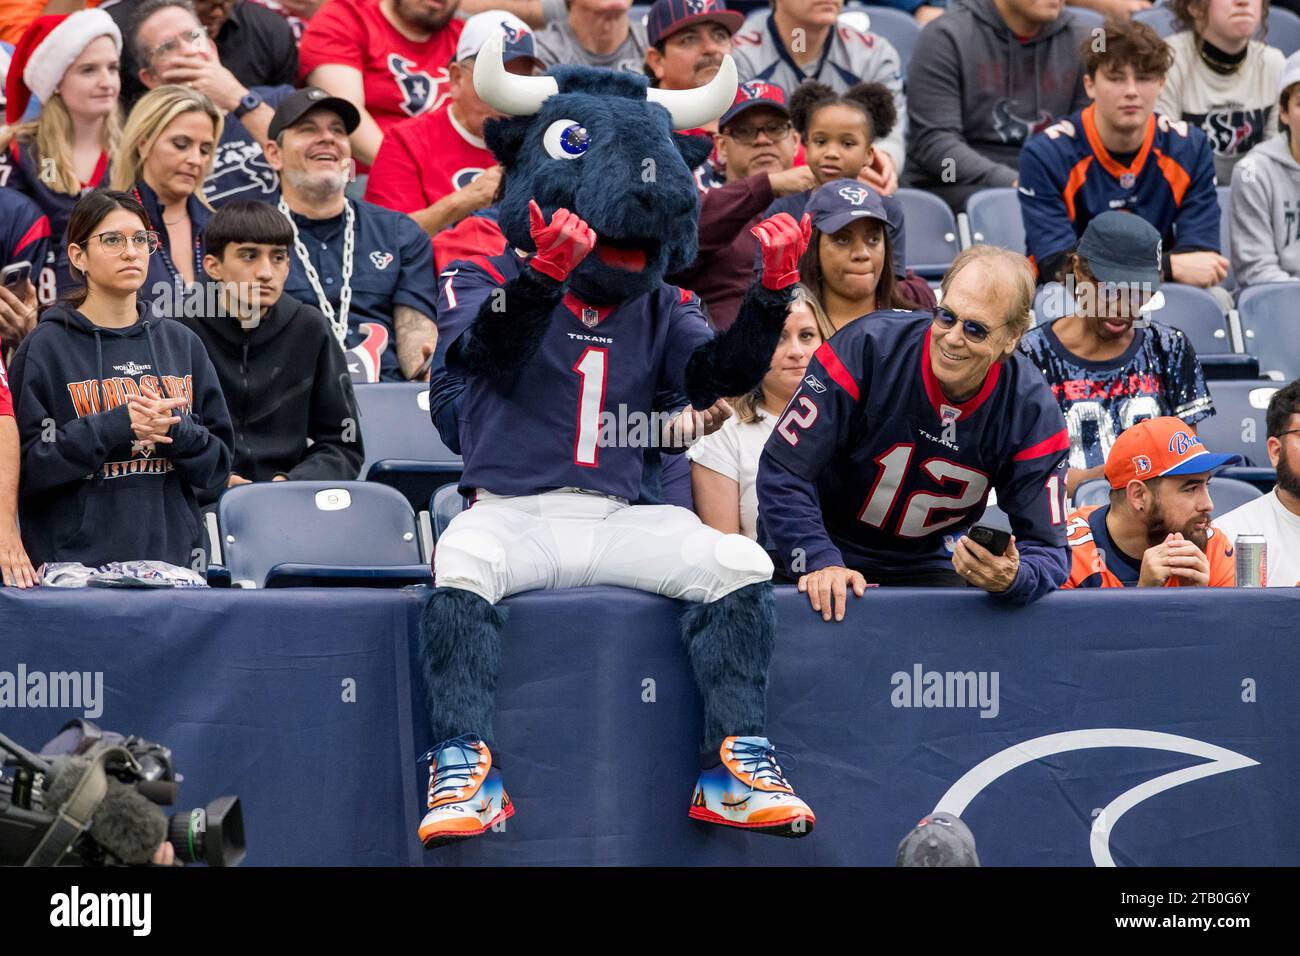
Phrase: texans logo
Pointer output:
(420, 91)
(513, 34)
(364, 360)
(758, 90)
(463, 177)
(381, 259)
(978, 778)
(854, 194)
(697, 6)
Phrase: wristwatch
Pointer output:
(247, 103)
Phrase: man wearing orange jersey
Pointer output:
(1156, 530)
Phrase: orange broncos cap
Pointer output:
(1157, 447)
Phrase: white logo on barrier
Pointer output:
(1221, 760)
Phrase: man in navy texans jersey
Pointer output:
(24, 237)
(904, 423)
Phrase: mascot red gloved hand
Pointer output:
(599, 204)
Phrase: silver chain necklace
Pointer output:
(339, 322)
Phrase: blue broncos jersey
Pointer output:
(897, 467)
(1068, 178)
(580, 412)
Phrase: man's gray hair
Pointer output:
(1020, 295)
(143, 12)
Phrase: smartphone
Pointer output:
(13, 276)
(993, 540)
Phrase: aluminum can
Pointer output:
(1252, 561)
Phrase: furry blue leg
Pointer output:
(460, 653)
(730, 645)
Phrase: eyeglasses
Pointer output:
(1293, 431)
(946, 318)
(196, 38)
(116, 242)
(747, 134)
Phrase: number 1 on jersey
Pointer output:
(592, 368)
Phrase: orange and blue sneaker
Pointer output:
(748, 790)
(466, 795)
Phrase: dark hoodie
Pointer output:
(286, 381)
(88, 493)
(976, 92)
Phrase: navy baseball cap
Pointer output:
(1122, 247)
(301, 102)
(668, 16)
(938, 840)
(753, 93)
(835, 204)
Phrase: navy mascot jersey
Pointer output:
(897, 467)
(580, 413)
(1158, 374)
(1067, 178)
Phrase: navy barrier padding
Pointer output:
(248, 688)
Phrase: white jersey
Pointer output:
(1281, 531)
(1236, 112)
(850, 56)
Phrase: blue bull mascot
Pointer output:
(542, 346)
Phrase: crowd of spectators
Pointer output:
(162, 153)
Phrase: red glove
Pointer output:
(562, 244)
(782, 241)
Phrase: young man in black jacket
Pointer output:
(283, 374)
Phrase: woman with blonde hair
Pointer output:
(70, 64)
(167, 151)
(724, 465)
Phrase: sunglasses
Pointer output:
(946, 318)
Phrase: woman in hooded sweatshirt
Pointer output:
(120, 416)
(1265, 234)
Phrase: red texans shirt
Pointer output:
(403, 77)
(424, 159)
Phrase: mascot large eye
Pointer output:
(565, 139)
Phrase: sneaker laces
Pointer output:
(448, 776)
(761, 764)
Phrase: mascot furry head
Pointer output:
(602, 145)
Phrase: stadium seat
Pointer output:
(1161, 19)
(931, 232)
(1225, 236)
(1283, 30)
(295, 533)
(1094, 491)
(899, 28)
(1267, 314)
(1051, 302)
(1198, 314)
(402, 446)
(1090, 18)
(445, 504)
(1237, 426)
(993, 216)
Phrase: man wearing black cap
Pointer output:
(368, 269)
(1108, 364)
(688, 39)
(756, 145)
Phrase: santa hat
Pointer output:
(51, 45)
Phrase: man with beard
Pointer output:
(1109, 366)
(1276, 515)
(367, 268)
(389, 57)
(1156, 530)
